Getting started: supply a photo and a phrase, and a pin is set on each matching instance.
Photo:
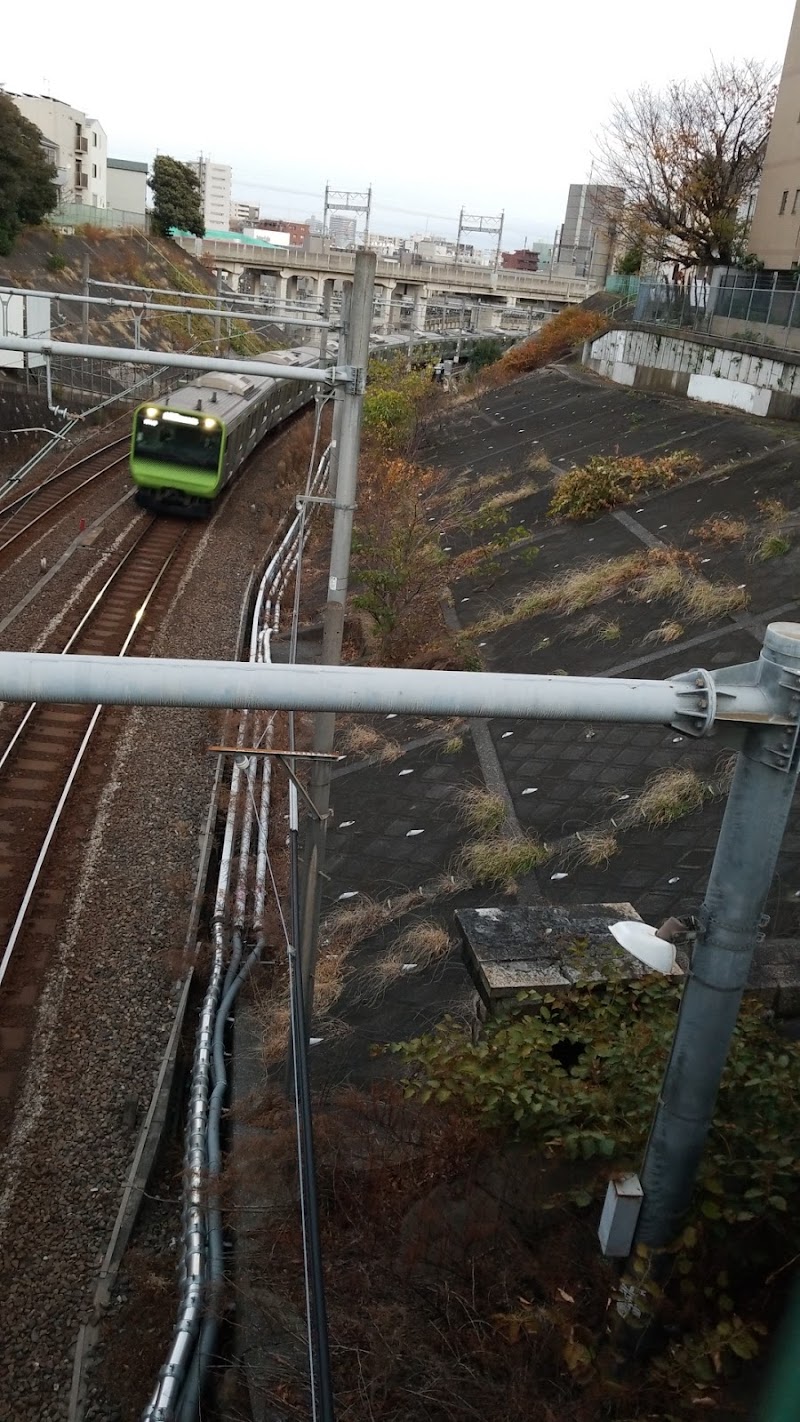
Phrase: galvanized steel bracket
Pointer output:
(698, 703)
(353, 377)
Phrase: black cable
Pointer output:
(309, 1180)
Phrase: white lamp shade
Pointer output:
(642, 942)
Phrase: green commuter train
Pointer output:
(188, 446)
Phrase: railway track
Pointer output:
(25, 515)
(48, 787)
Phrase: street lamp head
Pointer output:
(644, 943)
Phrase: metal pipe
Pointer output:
(152, 681)
(127, 355)
(348, 436)
(161, 1407)
(308, 1174)
(121, 304)
(750, 839)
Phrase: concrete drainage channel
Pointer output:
(262, 612)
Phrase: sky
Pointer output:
(493, 105)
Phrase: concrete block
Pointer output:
(543, 947)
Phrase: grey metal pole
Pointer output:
(356, 353)
(730, 922)
(85, 325)
(327, 294)
(218, 316)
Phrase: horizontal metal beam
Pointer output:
(123, 303)
(40, 676)
(127, 355)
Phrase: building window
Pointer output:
(796, 200)
(94, 171)
(94, 139)
(784, 201)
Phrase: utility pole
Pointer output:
(730, 923)
(349, 402)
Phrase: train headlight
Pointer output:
(209, 424)
(151, 412)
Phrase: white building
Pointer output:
(247, 213)
(81, 144)
(342, 230)
(215, 193)
(127, 186)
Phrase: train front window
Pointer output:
(173, 442)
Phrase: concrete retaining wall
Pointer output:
(701, 369)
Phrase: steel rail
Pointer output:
(45, 513)
(19, 921)
(87, 616)
(59, 474)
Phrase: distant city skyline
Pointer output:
(501, 114)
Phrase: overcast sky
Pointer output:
(489, 103)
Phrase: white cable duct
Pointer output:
(266, 620)
(193, 1270)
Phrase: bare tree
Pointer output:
(687, 159)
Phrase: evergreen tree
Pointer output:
(176, 197)
(27, 189)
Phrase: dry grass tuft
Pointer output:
(482, 809)
(594, 847)
(453, 746)
(498, 859)
(538, 463)
(773, 510)
(668, 796)
(569, 593)
(424, 943)
(366, 743)
(511, 496)
(667, 632)
(609, 632)
(721, 530)
(702, 601)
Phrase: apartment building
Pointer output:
(127, 186)
(215, 193)
(775, 230)
(587, 240)
(76, 143)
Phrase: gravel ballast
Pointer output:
(108, 1007)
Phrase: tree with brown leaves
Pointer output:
(687, 159)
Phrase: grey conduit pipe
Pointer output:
(216, 1258)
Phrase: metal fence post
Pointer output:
(768, 321)
(730, 923)
(348, 427)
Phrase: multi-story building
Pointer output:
(775, 230)
(523, 260)
(298, 231)
(215, 193)
(76, 143)
(588, 238)
(342, 230)
(127, 186)
(245, 214)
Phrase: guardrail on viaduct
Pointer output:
(438, 275)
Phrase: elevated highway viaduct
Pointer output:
(407, 293)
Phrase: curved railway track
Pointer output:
(42, 768)
(25, 515)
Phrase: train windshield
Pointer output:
(171, 441)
